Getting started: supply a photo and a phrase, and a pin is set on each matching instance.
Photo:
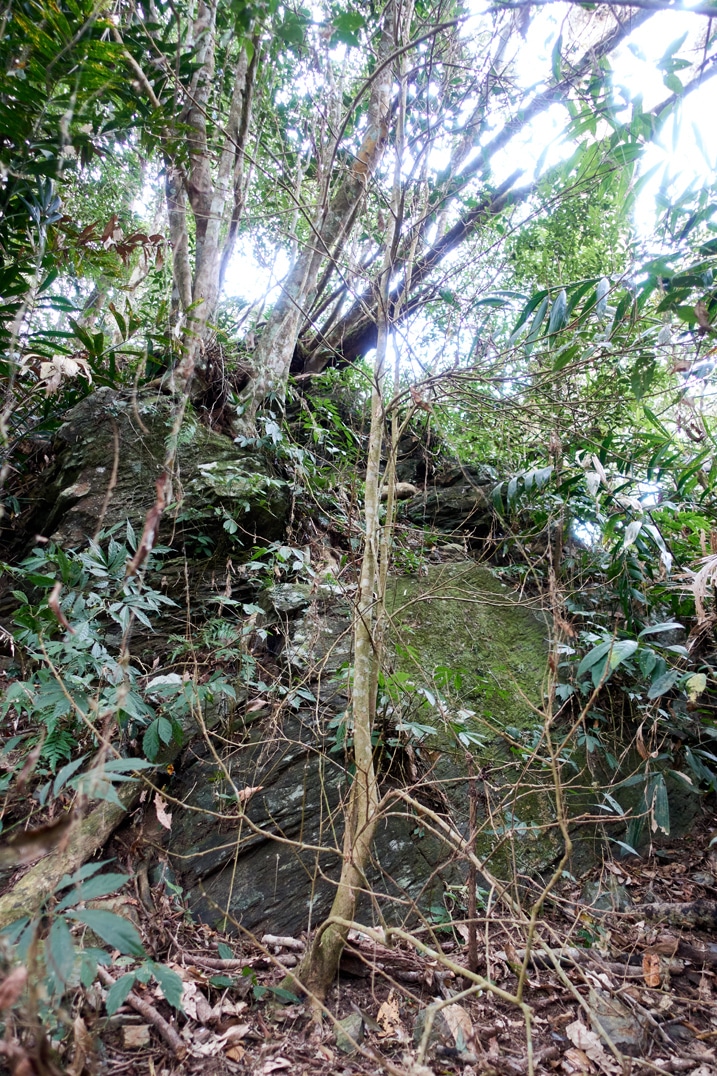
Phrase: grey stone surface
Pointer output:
(349, 1033)
(214, 479)
(618, 1021)
(275, 868)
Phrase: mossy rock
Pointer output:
(459, 618)
(481, 654)
(110, 451)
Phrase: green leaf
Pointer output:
(663, 683)
(164, 730)
(601, 295)
(346, 27)
(119, 992)
(115, 930)
(170, 983)
(225, 952)
(593, 656)
(626, 848)
(284, 995)
(656, 629)
(683, 779)
(86, 871)
(558, 314)
(621, 651)
(66, 772)
(557, 59)
(61, 950)
(528, 309)
(126, 765)
(535, 324)
(151, 743)
(99, 886)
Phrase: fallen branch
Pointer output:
(170, 1036)
(295, 944)
(701, 914)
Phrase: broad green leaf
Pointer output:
(99, 886)
(126, 765)
(151, 743)
(657, 629)
(66, 772)
(170, 983)
(61, 950)
(593, 656)
(621, 651)
(627, 849)
(602, 292)
(83, 872)
(558, 313)
(663, 683)
(113, 929)
(535, 324)
(535, 301)
(118, 992)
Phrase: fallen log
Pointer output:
(84, 838)
(700, 914)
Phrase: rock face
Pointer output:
(457, 500)
(259, 843)
(273, 869)
(109, 454)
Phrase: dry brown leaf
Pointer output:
(61, 368)
(196, 1005)
(589, 1043)
(256, 704)
(163, 816)
(575, 1061)
(235, 1033)
(275, 1064)
(84, 1044)
(12, 986)
(459, 1024)
(389, 1018)
(247, 793)
(227, 1007)
(135, 1036)
(651, 969)
(235, 1053)
(53, 604)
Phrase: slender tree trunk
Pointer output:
(321, 962)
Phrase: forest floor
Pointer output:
(650, 984)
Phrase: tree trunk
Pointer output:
(321, 962)
(272, 358)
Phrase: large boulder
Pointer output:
(109, 452)
(468, 669)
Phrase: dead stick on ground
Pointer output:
(151, 1015)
